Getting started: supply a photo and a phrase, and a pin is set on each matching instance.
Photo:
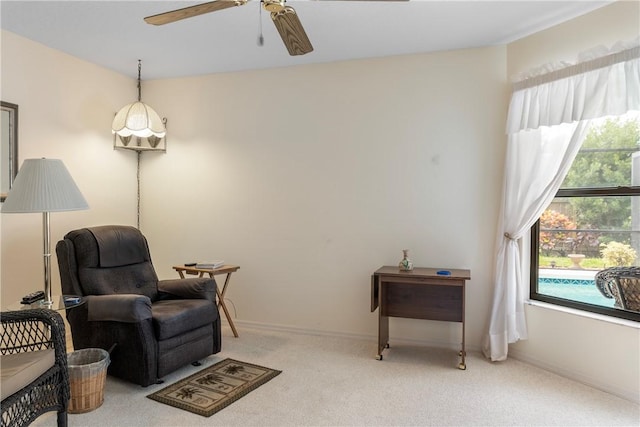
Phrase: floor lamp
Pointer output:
(44, 185)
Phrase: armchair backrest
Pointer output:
(105, 260)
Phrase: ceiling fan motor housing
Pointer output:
(273, 6)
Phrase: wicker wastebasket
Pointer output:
(87, 372)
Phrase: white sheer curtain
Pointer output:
(548, 119)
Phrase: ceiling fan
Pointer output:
(284, 18)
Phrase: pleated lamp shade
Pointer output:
(138, 119)
(43, 185)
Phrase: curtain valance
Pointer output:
(604, 86)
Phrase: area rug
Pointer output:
(214, 388)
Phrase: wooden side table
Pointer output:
(200, 272)
(418, 294)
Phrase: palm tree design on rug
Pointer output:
(187, 393)
(209, 379)
(233, 369)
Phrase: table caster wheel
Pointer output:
(462, 367)
(379, 357)
(387, 346)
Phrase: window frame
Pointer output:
(535, 256)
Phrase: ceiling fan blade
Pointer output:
(376, 1)
(188, 12)
(291, 31)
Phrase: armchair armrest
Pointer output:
(23, 330)
(126, 308)
(192, 288)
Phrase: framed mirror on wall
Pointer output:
(8, 147)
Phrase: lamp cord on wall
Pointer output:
(138, 180)
(139, 82)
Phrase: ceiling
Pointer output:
(113, 34)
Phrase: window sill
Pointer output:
(594, 316)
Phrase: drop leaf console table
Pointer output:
(421, 293)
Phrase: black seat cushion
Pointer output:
(175, 317)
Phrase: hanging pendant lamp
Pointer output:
(140, 120)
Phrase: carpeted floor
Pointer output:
(329, 381)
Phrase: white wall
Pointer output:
(310, 178)
(597, 352)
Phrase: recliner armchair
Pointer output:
(157, 326)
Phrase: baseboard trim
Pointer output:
(589, 381)
(629, 395)
(297, 330)
(366, 337)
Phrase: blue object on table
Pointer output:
(443, 273)
(71, 300)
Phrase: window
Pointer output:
(593, 222)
